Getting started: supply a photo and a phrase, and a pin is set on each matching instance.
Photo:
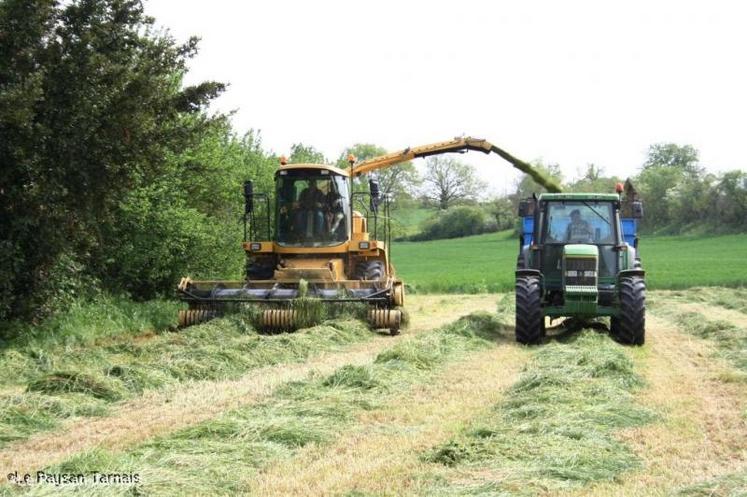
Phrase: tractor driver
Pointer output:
(310, 217)
(578, 228)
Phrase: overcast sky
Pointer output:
(571, 82)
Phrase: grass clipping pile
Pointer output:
(554, 428)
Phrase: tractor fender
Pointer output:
(631, 272)
(528, 272)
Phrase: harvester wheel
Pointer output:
(630, 327)
(398, 294)
(189, 317)
(279, 319)
(370, 270)
(530, 323)
(386, 318)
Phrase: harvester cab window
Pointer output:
(312, 209)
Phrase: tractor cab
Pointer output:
(576, 248)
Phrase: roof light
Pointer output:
(283, 160)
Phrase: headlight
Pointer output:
(363, 245)
(255, 247)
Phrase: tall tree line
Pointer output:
(113, 175)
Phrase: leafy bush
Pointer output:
(457, 222)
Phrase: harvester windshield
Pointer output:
(313, 208)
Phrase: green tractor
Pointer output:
(579, 259)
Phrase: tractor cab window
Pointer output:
(579, 222)
(313, 208)
(576, 221)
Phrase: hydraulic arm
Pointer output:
(459, 145)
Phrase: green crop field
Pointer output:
(487, 262)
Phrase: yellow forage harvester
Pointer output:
(318, 241)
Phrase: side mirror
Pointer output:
(637, 209)
(248, 196)
(526, 208)
(373, 185)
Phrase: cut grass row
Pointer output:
(554, 429)
(486, 263)
(729, 298)
(44, 384)
(730, 339)
(221, 455)
(731, 485)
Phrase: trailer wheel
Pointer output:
(530, 323)
(630, 327)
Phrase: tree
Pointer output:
(666, 166)
(448, 181)
(306, 154)
(91, 108)
(504, 212)
(594, 181)
(673, 156)
(399, 182)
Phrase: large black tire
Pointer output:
(530, 323)
(370, 270)
(630, 327)
(257, 271)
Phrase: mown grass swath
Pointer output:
(46, 379)
(730, 339)
(730, 485)
(554, 429)
(728, 298)
(203, 459)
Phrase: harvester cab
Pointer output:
(313, 242)
(320, 240)
(579, 258)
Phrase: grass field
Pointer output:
(486, 263)
(451, 407)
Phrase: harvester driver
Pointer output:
(335, 212)
(310, 217)
(578, 229)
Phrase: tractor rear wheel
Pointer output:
(630, 327)
(530, 323)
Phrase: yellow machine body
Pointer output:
(345, 263)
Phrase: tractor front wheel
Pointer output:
(630, 327)
(530, 323)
